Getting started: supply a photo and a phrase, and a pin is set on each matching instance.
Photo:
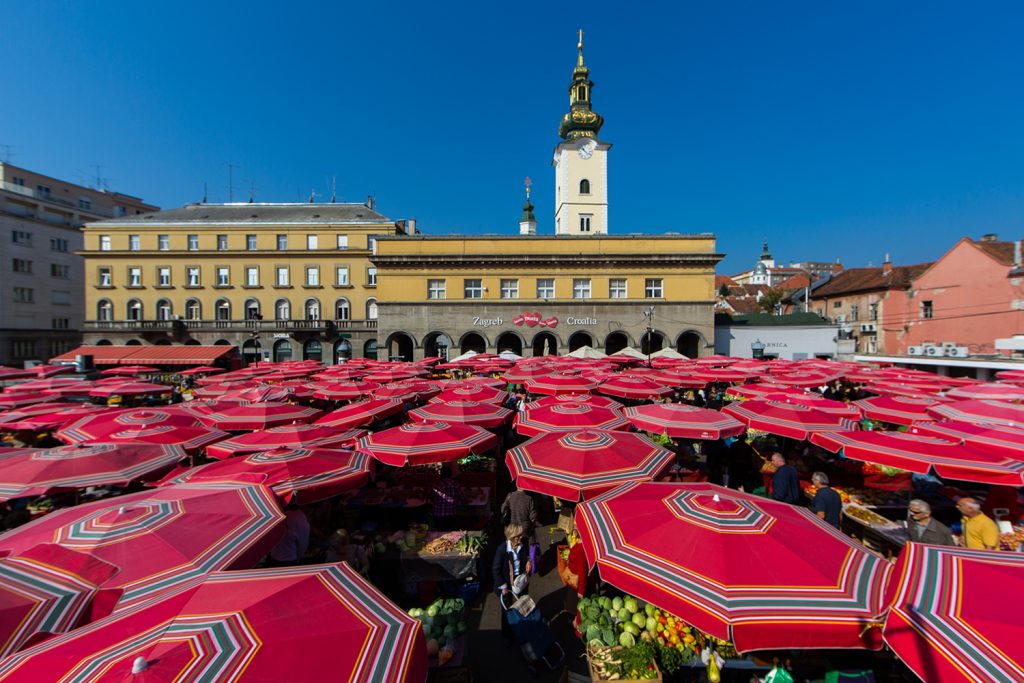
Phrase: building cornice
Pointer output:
(504, 261)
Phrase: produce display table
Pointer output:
(421, 566)
(873, 530)
(1012, 541)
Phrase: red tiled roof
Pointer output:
(1000, 251)
(147, 355)
(869, 279)
(795, 282)
(724, 280)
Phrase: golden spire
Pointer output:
(528, 182)
(579, 46)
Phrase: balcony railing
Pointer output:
(246, 325)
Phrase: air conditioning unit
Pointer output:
(916, 350)
(933, 351)
(957, 352)
(868, 327)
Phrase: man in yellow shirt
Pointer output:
(979, 531)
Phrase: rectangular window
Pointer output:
(585, 223)
(193, 276)
(837, 304)
(222, 242)
(510, 289)
(312, 242)
(545, 288)
(24, 295)
(312, 276)
(874, 311)
(21, 265)
(371, 244)
(60, 323)
(133, 242)
(120, 211)
(85, 203)
(250, 242)
(926, 310)
(341, 276)
(23, 348)
(60, 297)
(105, 277)
(617, 288)
(371, 277)
(58, 244)
(21, 237)
(252, 276)
(193, 242)
(135, 277)
(163, 276)
(104, 242)
(473, 289)
(60, 271)
(581, 288)
(342, 241)
(223, 276)
(654, 288)
(854, 312)
(20, 182)
(282, 242)
(282, 276)
(43, 190)
(163, 242)
(436, 289)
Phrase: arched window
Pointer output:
(193, 310)
(371, 309)
(134, 310)
(342, 310)
(104, 310)
(282, 310)
(584, 186)
(312, 309)
(222, 309)
(163, 309)
(252, 309)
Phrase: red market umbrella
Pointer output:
(923, 455)
(131, 370)
(192, 439)
(45, 384)
(571, 465)
(396, 392)
(634, 387)
(425, 443)
(286, 624)
(684, 421)
(259, 416)
(522, 372)
(1008, 441)
(784, 419)
(130, 389)
(916, 390)
(760, 389)
(44, 422)
(818, 402)
(43, 371)
(993, 391)
(589, 399)
(560, 384)
(899, 410)
(78, 389)
(806, 380)
(303, 475)
(950, 618)
(345, 390)
(486, 415)
(473, 382)
(10, 399)
(162, 538)
(480, 394)
(567, 416)
(49, 470)
(98, 426)
(48, 590)
(389, 375)
(222, 389)
(723, 375)
(7, 373)
(202, 370)
(290, 436)
(981, 412)
(361, 413)
(759, 573)
(264, 393)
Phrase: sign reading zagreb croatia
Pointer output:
(534, 320)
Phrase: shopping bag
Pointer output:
(534, 557)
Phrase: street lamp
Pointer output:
(649, 314)
(757, 348)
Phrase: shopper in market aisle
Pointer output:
(979, 531)
(785, 486)
(511, 562)
(518, 508)
(924, 528)
(826, 504)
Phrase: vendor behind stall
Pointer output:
(979, 531)
(923, 528)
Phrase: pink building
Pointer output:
(969, 297)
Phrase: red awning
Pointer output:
(148, 355)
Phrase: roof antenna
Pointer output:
(252, 191)
(204, 192)
(334, 189)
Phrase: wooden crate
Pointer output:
(565, 521)
(593, 671)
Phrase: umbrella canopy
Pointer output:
(487, 415)
(267, 393)
(981, 412)
(162, 538)
(760, 389)
(424, 443)
(361, 413)
(49, 420)
(471, 382)
(202, 370)
(478, 393)
(785, 419)
(900, 410)
(806, 380)
(259, 416)
(818, 402)
(753, 571)
(924, 454)
(571, 465)
(49, 589)
(710, 374)
(51, 370)
(993, 391)
(13, 399)
(287, 624)
(950, 619)
(1008, 441)
(302, 474)
(634, 387)
(41, 471)
(560, 384)
(589, 399)
(130, 389)
(345, 390)
(290, 436)
(131, 370)
(192, 439)
(915, 390)
(682, 421)
(98, 426)
(7, 373)
(397, 392)
(568, 416)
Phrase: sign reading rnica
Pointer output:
(534, 319)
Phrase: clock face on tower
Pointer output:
(586, 148)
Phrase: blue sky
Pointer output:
(834, 129)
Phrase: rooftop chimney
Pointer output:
(886, 265)
(989, 237)
(1017, 253)
(837, 267)
(370, 202)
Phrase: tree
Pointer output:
(723, 291)
(770, 300)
